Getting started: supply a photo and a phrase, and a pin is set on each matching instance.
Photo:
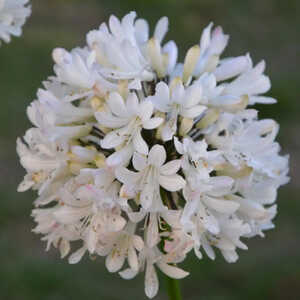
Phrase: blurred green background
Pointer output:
(268, 29)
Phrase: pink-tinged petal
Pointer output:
(77, 255)
(151, 281)
(139, 143)
(91, 240)
(152, 123)
(138, 242)
(171, 167)
(115, 260)
(219, 41)
(69, 215)
(172, 271)
(133, 259)
(115, 224)
(152, 232)
(157, 156)
(128, 273)
(64, 248)
(172, 183)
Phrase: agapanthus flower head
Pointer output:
(144, 159)
(13, 14)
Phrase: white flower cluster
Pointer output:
(13, 14)
(144, 159)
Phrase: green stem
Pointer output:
(173, 289)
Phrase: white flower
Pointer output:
(147, 259)
(121, 245)
(211, 47)
(251, 82)
(13, 14)
(176, 102)
(140, 159)
(152, 174)
(43, 160)
(127, 119)
(122, 49)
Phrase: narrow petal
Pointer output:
(222, 206)
(128, 273)
(151, 281)
(139, 143)
(117, 105)
(152, 123)
(193, 112)
(171, 167)
(112, 140)
(77, 255)
(126, 176)
(108, 120)
(133, 259)
(145, 110)
(172, 183)
(157, 156)
(114, 261)
(172, 271)
(161, 29)
(139, 161)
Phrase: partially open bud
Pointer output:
(185, 126)
(211, 116)
(190, 62)
(158, 60)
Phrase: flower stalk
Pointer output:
(173, 288)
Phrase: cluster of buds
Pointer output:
(143, 159)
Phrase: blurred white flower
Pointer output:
(143, 159)
(13, 14)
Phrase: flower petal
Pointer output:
(139, 161)
(172, 271)
(151, 281)
(157, 156)
(139, 143)
(152, 123)
(172, 183)
(171, 167)
(115, 260)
